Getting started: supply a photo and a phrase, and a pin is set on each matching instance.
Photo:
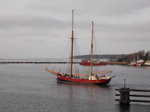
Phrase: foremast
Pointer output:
(72, 44)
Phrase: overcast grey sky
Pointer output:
(36, 28)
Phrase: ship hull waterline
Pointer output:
(82, 81)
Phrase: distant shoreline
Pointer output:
(32, 62)
(20, 62)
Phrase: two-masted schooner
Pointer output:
(91, 78)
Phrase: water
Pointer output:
(28, 88)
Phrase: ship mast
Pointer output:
(72, 42)
(91, 57)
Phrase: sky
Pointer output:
(40, 28)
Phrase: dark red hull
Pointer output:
(94, 64)
(83, 81)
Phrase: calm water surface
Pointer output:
(28, 88)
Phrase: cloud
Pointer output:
(47, 22)
(29, 21)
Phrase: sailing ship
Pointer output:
(147, 62)
(92, 78)
(136, 61)
(133, 61)
(139, 63)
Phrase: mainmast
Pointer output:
(91, 57)
(72, 41)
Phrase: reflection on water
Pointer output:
(28, 88)
(86, 92)
(123, 108)
(132, 108)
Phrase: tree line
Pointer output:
(140, 55)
